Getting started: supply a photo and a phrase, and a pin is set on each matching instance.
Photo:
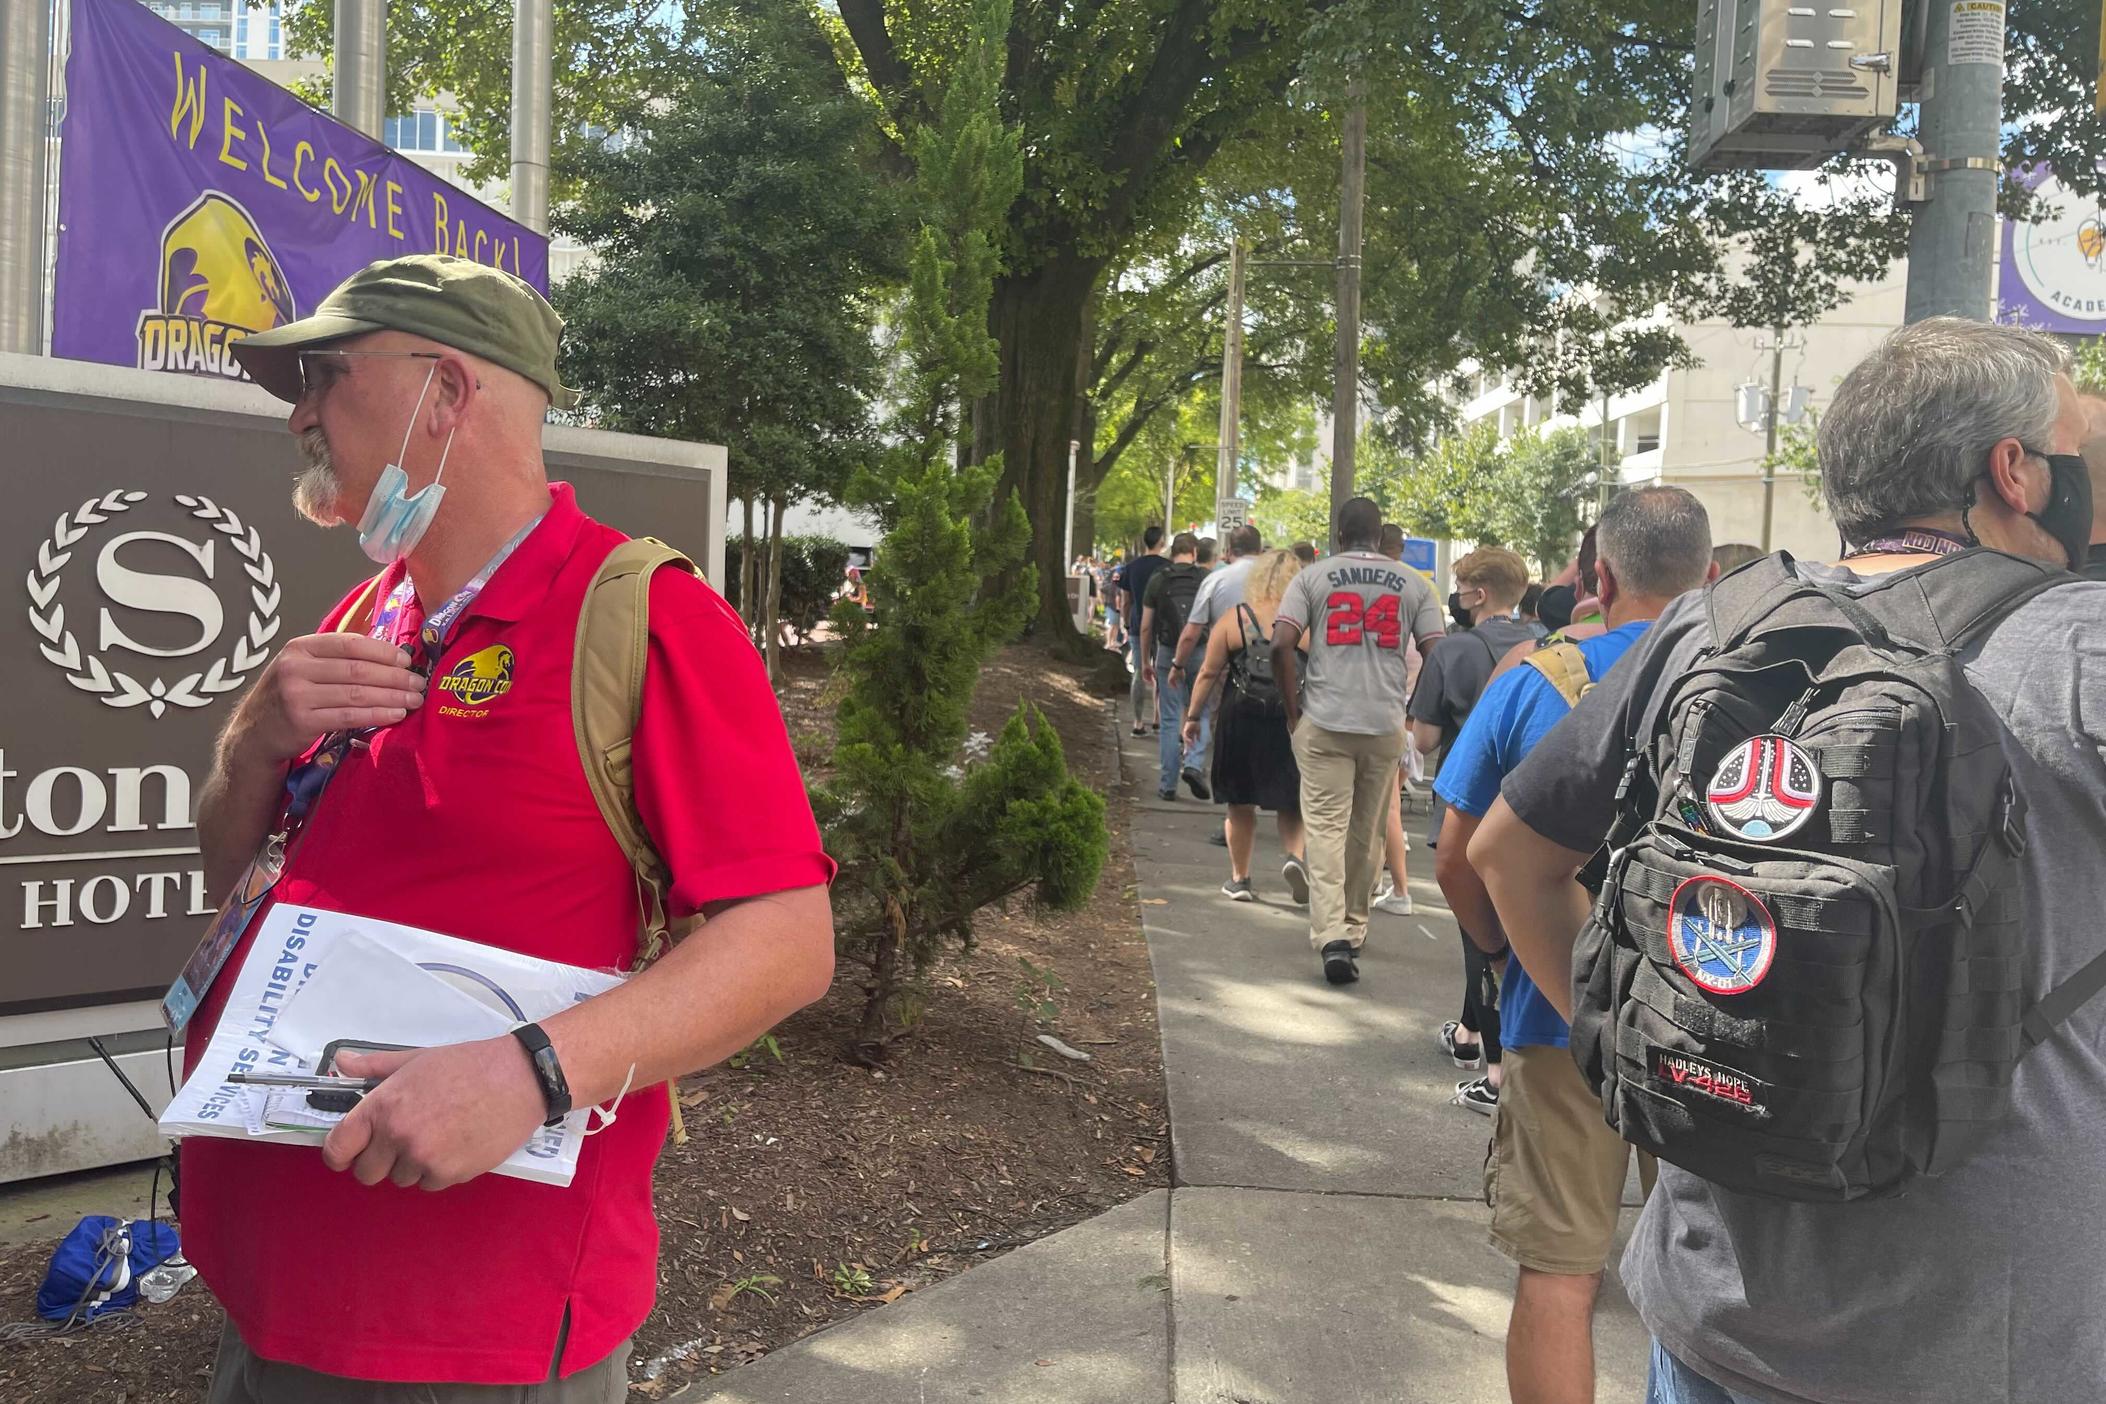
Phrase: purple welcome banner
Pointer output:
(199, 202)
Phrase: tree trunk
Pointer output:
(771, 615)
(1039, 320)
(748, 609)
(869, 1047)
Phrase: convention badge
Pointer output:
(1720, 934)
(233, 918)
(1765, 788)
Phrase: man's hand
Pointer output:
(1190, 733)
(443, 1117)
(323, 683)
(1148, 671)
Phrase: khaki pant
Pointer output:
(1554, 1177)
(239, 1376)
(1348, 783)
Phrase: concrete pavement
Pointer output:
(1323, 1240)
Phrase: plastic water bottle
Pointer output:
(163, 1282)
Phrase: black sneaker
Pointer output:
(1239, 890)
(1219, 840)
(1197, 784)
(1465, 1055)
(1296, 873)
(1339, 968)
(1478, 1094)
(1169, 794)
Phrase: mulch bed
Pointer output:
(812, 1190)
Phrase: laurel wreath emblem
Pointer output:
(119, 689)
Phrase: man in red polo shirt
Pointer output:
(389, 1254)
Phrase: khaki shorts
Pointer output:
(1554, 1175)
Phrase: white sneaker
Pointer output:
(1394, 902)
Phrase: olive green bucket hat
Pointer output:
(456, 302)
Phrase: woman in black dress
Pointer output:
(1254, 766)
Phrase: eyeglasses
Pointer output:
(319, 370)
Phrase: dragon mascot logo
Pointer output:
(219, 283)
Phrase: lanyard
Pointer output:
(1913, 541)
(306, 781)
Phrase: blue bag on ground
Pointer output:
(96, 1268)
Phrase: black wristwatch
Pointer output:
(547, 1071)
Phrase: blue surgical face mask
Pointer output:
(395, 521)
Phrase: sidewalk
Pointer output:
(1324, 1239)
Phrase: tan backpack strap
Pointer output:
(361, 604)
(606, 700)
(1566, 668)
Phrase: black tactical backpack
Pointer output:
(1802, 976)
(1173, 604)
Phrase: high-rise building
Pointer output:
(238, 28)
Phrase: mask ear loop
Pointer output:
(443, 452)
(410, 430)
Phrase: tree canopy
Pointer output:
(720, 308)
(1528, 204)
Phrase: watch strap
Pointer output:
(555, 1088)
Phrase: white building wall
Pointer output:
(1708, 452)
(1682, 429)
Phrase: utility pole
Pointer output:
(1773, 413)
(25, 131)
(1952, 238)
(1067, 537)
(533, 93)
(1345, 393)
(1231, 380)
(1609, 462)
(358, 91)
(1769, 440)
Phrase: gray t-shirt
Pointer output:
(1354, 610)
(1982, 1286)
(1220, 593)
(1456, 669)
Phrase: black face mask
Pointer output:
(1456, 612)
(2067, 516)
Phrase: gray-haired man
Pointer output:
(1978, 1285)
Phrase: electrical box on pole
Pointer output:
(1785, 86)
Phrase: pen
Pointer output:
(313, 1081)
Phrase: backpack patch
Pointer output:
(1764, 789)
(1720, 934)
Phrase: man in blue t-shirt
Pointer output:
(1555, 1174)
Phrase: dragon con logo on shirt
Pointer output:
(480, 677)
(219, 282)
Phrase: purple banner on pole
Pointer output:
(2053, 273)
(199, 202)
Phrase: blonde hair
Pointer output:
(1269, 579)
(1500, 573)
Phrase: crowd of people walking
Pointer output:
(1767, 875)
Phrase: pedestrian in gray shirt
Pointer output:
(1352, 612)
(1980, 1285)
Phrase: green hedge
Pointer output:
(812, 569)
